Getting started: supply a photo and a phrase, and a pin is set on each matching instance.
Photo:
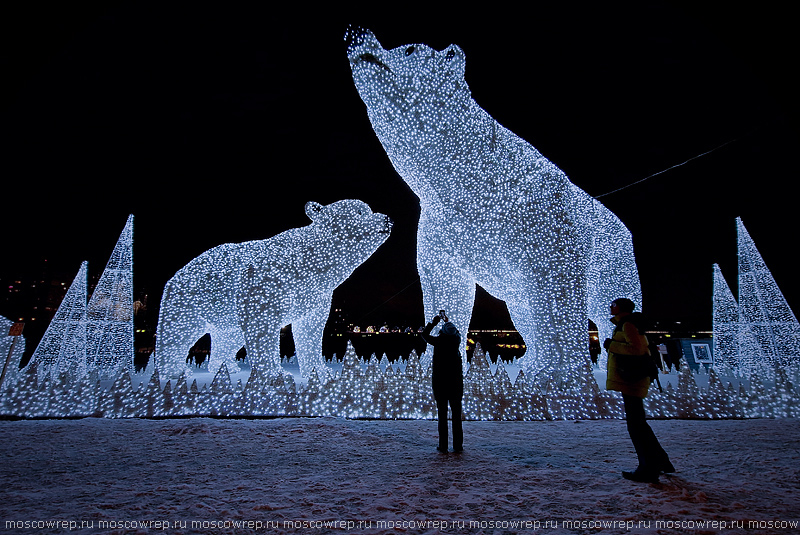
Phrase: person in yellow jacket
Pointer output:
(629, 339)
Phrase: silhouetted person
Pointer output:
(448, 381)
(628, 339)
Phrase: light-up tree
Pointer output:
(63, 346)
(762, 305)
(494, 211)
(109, 314)
(735, 345)
(725, 323)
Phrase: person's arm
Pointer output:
(426, 332)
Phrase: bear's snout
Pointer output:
(355, 36)
(370, 58)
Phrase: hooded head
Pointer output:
(449, 329)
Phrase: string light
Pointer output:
(494, 211)
(243, 293)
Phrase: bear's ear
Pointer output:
(313, 209)
(454, 59)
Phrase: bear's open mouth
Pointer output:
(369, 58)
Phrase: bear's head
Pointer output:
(411, 92)
(349, 228)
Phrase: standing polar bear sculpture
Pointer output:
(494, 211)
(243, 293)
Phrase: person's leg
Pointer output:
(652, 457)
(441, 405)
(458, 433)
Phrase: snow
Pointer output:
(294, 475)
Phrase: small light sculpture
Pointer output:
(763, 306)
(96, 337)
(759, 331)
(63, 345)
(725, 323)
(109, 314)
(735, 346)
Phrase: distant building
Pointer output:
(33, 300)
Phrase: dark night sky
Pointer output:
(217, 123)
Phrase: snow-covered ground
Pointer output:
(331, 475)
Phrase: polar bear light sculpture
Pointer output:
(494, 211)
(243, 293)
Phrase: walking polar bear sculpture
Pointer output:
(494, 211)
(243, 293)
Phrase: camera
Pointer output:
(441, 314)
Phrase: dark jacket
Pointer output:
(447, 377)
